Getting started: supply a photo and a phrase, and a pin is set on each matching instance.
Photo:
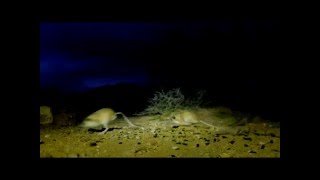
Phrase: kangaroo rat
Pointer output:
(184, 117)
(103, 117)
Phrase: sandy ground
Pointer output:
(159, 139)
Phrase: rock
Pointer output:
(45, 115)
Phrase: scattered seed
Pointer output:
(232, 142)
(271, 141)
(198, 145)
(252, 151)
(120, 142)
(246, 145)
(224, 137)
(263, 146)
(207, 144)
(247, 138)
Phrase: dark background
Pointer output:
(85, 65)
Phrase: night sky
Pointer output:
(79, 56)
(235, 59)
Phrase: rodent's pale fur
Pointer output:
(185, 117)
(102, 117)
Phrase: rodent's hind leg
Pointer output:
(104, 131)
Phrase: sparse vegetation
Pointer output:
(167, 102)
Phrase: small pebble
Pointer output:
(175, 148)
(73, 155)
(93, 144)
(225, 155)
(272, 135)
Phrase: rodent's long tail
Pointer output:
(208, 124)
(125, 118)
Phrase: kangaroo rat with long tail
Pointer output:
(103, 117)
(184, 117)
